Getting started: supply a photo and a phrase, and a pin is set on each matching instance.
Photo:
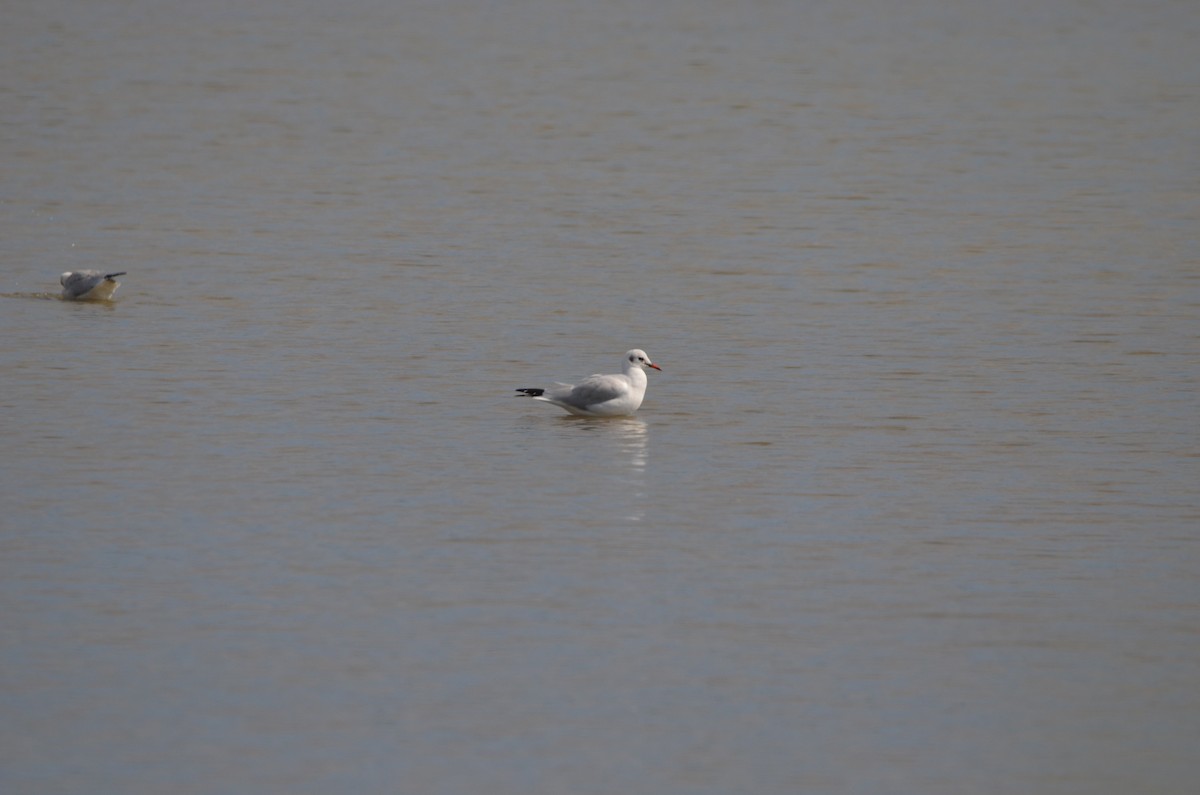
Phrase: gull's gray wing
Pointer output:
(593, 390)
(80, 282)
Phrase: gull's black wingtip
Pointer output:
(114, 275)
(530, 392)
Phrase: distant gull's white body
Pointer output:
(89, 285)
(616, 395)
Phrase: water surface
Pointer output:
(911, 508)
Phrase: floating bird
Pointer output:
(89, 285)
(616, 395)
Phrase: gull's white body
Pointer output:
(89, 285)
(616, 395)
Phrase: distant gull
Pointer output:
(616, 395)
(89, 285)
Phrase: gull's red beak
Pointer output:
(655, 366)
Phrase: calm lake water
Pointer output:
(912, 507)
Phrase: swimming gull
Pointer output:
(89, 285)
(616, 395)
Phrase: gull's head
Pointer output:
(638, 358)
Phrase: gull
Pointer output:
(616, 395)
(89, 285)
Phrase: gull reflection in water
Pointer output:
(631, 434)
(631, 438)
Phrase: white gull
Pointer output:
(616, 395)
(89, 285)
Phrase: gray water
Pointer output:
(912, 507)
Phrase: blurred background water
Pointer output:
(911, 508)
